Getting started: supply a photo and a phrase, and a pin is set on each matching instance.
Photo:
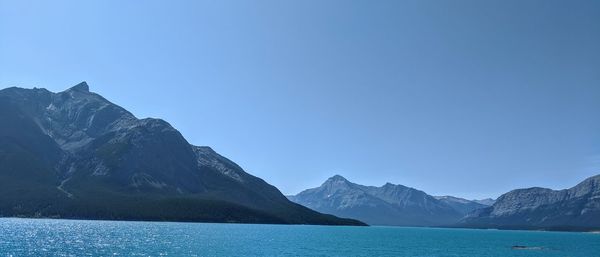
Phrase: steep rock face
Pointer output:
(386, 205)
(577, 208)
(74, 154)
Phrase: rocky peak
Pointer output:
(336, 179)
(336, 184)
(81, 87)
(388, 184)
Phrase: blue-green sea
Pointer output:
(45, 237)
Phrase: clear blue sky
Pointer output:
(468, 98)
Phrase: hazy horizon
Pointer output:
(470, 99)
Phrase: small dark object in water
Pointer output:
(523, 247)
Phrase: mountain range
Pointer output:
(386, 205)
(74, 154)
(576, 209)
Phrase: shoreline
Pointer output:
(172, 221)
(594, 231)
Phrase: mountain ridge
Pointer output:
(74, 154)
(576, 208)
(389, 204)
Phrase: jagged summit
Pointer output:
(81, 87)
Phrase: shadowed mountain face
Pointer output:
(386, 205)
(74, 154)
(577, 208)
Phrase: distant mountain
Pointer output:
(463, 206)
(74, 154)
(487, 201)
(386, 205)
(577, 208)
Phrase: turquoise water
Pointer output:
(40, 237)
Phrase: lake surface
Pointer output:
(44, 237)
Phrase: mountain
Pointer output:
(74, 154)
(463, 206)
(487, 201)
(386, 205)
(577, 208)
